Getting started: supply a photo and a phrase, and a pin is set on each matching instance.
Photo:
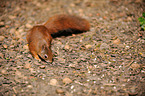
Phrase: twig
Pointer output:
(14, 90)
(129, 63)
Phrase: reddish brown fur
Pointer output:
(64, 22)
(39, 37)
(39, 40)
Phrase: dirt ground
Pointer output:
(108, 60)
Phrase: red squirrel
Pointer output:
(40, 37)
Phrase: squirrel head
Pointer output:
(46, 53)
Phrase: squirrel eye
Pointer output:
(45, 56)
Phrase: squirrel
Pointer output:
(39, 38)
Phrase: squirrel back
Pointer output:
(64, 25)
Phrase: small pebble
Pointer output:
(88, 46)
(68, 94)
(127, 57)
(67, 80)
(66, 47)
(30, 86)
(25, 47)
(72, 5)
(28, 65)
(59, 91)
(28, 25)
(12, 17)
(135, 66)
(31, 69)
(5, 46)
(20, 30)
(117, 41)
(1, 55)
(12, 30)
(18, 73)
(3, 71)
(129, 19)
(2, 23)
(132, 91)
(104, 46)
(72, 87)
(53, 82)
(143, 54)
(42, 67)
(30, 56)
(2, 38)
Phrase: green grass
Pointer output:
(142, 21)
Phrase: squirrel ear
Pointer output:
(43, 46)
